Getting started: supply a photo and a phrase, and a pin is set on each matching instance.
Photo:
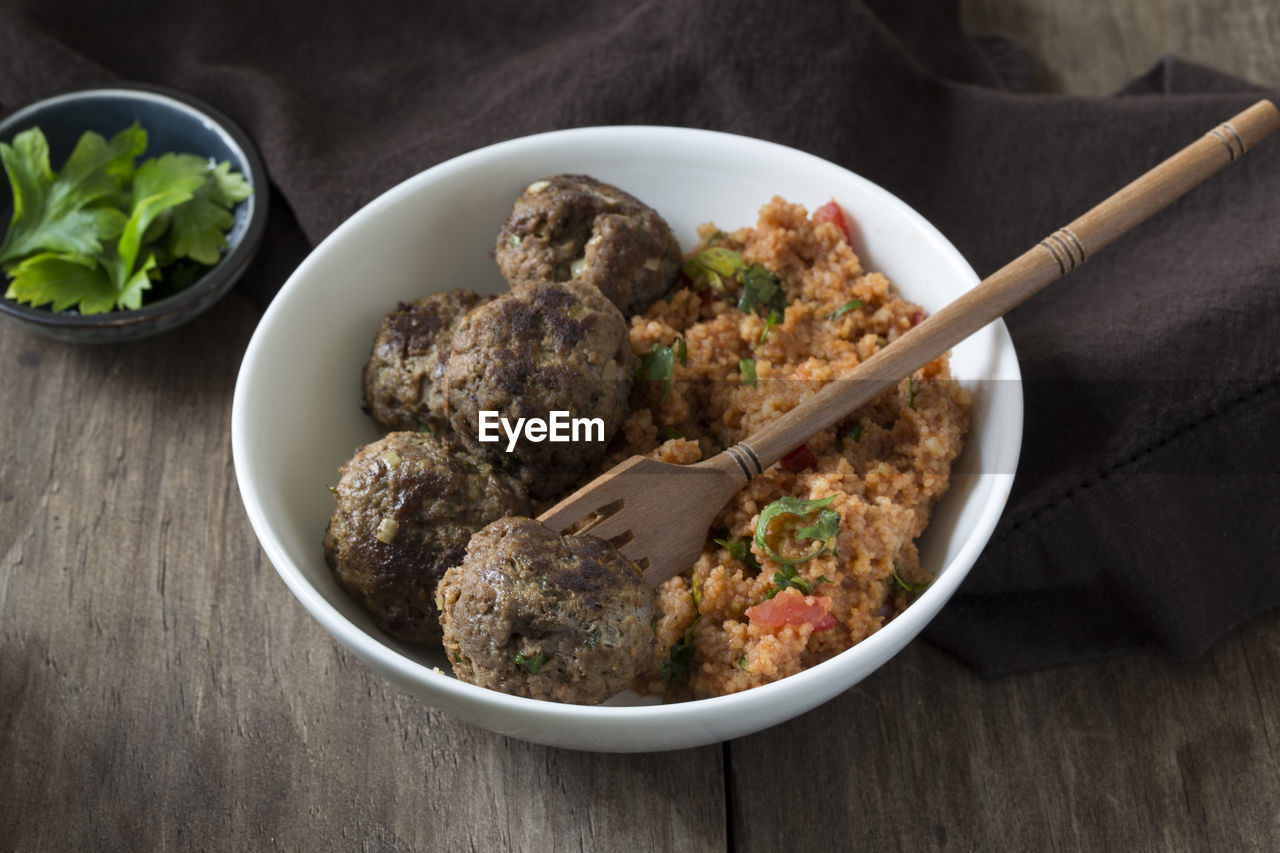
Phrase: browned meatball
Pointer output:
(534, 613)
(406, 507)
(541, 348)
(402, 377)
(575, 227)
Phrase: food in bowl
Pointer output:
(541, 348)
(404, 377)
(407, 505)
(777, 592)
(810, 558)
(546, 615)
(295, 418)
(573, 227)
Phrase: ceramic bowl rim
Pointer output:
(391, 663)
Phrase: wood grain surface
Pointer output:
(161, 689)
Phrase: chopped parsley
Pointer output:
(789, 577)
(909, 587)
(747, 367)
(911, 392)
(530, 665)
(824, 531)
(659, 364)
(769, 323)
(676, 668)
(714, 268)
(761, 289)
(742, 663)
(855, 433)
(847, 307)
(740, 550)
(673, 433)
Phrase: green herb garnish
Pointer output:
(747, 367)
(911, 392)
(847, 307)
(769, 323)
(855, 433)
(789, 577)
(825, 530)
(742, 663)
(676, 668)
(909, 587)
(673, 433)
(740, 550)
(530, 665)
(95, 235)
(659, 364)
(761, 289)
(713, 268)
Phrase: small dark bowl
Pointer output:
(174, 122)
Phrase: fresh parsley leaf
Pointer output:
(911, 392)
(769, 323)
(747, 367)
(159, 184)
(855, 433)
(530, 665)
(197, 229)
(740, 550)
(789, 577)
(847, 307)
(129, 283)
(909, 587)
(659, 365)
(70, 212)
(825, 529)
(682, 352)
(62, 280)
(761, 288)
(673, 433)
(86, 237)
(742, 663)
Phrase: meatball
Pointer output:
(407, 505)
(537, 614)
(541, 348)
(575, 227)
(402, 377)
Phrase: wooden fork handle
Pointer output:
(1050, 259)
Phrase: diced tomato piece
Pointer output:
(800, 459)
(832, 212)
(916, 318)
(789, 607)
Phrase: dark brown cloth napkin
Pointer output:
(1146, 506)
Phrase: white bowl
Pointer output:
(297, 410)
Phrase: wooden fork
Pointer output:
(659, 514)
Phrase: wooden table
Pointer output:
(160, 688)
